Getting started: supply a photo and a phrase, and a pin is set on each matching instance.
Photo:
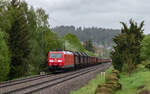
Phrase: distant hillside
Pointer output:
(99, 36)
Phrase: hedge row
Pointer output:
(112, 84)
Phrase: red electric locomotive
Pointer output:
(60, 59)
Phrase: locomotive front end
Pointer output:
(55, 60)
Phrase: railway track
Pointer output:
(32, 85)
(23, 80)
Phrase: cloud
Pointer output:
(101, 13)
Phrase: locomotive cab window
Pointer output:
(56, 55)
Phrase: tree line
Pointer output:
(26, 39)
(99, 36)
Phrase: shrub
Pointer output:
(126, 53)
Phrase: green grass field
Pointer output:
(130, 84)
(92, 85)
(137, 79)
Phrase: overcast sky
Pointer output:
(100, 13)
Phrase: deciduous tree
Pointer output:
(126, 53)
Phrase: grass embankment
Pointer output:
(92, 85)
(139, 80)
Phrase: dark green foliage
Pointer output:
(4, 49)
(5, 16)
(29, 39)
(4, 57)
(126, 54)
(42, 40)
(145, 45)
(116, 55)
(19, 40)
(36, 56)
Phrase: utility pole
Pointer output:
(42, 51)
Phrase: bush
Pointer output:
(126, 53)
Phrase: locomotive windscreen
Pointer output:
(56, 55)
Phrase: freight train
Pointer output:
(60, 60)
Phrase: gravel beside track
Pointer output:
(45, 84)
(73, 84)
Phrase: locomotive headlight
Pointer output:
(51, 60)
(59, 60)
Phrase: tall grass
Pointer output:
(137, 79)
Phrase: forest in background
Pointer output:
(99, 36)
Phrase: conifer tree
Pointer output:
(19, 40)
